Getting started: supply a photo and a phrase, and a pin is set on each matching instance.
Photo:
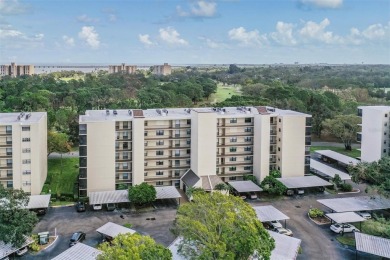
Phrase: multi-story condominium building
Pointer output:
(374, 137)
(14, 70)
(158, 146)
(23, 151)
(162, 69)
(122, 68)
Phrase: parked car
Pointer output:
(22, 251)
(40, 212)
(284, 231)
(274, 224)
(364, 214)
(253, 195)
(110, 206)
(300, 192)
(97, 206)
(343, 228)
(76, 238)
(80, 206)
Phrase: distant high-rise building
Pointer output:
(14, 70)
(122, 68)
(162, 69)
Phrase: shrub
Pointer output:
(128, 225)
(34, 246)
(346, 187)
(315, 213)
(379, 227)
(222, 186)
(142, 194)
(337, 180)
(273, 186)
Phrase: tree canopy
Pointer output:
(142, 194)
(16, 222)
(344, 127)
(57, 142)
(217, 226)
(133, 247)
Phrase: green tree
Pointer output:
(133, 247)
(59, 143)
(273, 186)
(252, 178)
(343, 127)
(222, 186)
(337, 180)
(16, 221)
(217, 226)
(142, 193)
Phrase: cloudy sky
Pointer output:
(195, 31)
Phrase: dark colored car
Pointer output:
(76, 238)
(80, 206)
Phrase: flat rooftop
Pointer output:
(269, 213)
(244, 186)
(16, 118)
(303, 182)
(345, 217)
(286, 247)
(373, 245)
(179, 113)
(79, 251)
(167, 192)
(338, 157)
(39, 201)
(324, 169)
(112, 230)
(379, 108)
(103, 197)
(356, 203)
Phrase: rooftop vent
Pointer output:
(158, 111)
(107, 112)
(28, 116)
(115, 112)
(130, 113)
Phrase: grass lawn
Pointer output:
(346, 239)
(61, 183)
(354, 153)
(224, 92)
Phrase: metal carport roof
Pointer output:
(269, 213)
(39, 201)
(190, 178)
(112, 230)
(327, 170)
(103, 197)
(345, 217)
(79, 251)
(373, 245)
(167, 192)
(338, 157)
(286, 247)
(303, 182)
(244, 186)
(356, 203)
(7, 249)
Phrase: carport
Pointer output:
(378, 246)
(363, 203)
(8, 249)
(79, 251)
(105, 197)
(270, 213)
(286, 247)
(325, 170)
(111, 230)
(167, 192)
(303, 182)
(39, 202)
(345, 217)
(341, 159)
(244, 186)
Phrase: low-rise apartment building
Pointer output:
(162, 69)
(157, 146)
(374, 137)
(23, 151)
(129, 69)
(14, 70)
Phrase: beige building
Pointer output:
(158, 146)
(162, 69)
(14, 70)
(122, 68)
(23, 151)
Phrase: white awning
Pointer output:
(112, 230)
(303, 182)
(337, 156)
(345, 217)
(362, 203)
(103, 197)
(39, 201)
(269, 213)
(373, 245)
(244, 186)
(286, 247)
(8, 249)
(327, 170)
(79, 251)
(167, 192)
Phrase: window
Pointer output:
(188, 131)
(280, 120)
(385, 115)
(82, 129)
(26, 161)
(145, 133)
(177, 162)
(145, 163)
(125, 165)
(159, 163)
(248, 139)
(384, 150)
(125, 125)
(247, 168)
(177, 123)
(177, 153)
(126, 135)
(248, 149)
(188, 162)
(160, 173)
(9, 173)
(9, 162)
(248, 120)
(232, 169)
(160, 152)
(188, 121)
(125, 145)
(248, 129)
(8, 129)
(8, 151)
(233, 120)
(146, 143)
(233, 149)
(279, 149)
(177, 133)
(188, 141)
(160, 142)
(233, 159)
(280, 130)
(117, 166)
(83, 161)
(188, 151)
(247, 158)
(26, 139)
(25, 128)
(160, 132)
(10, 184)
(177, 173)
(83, 150)
(159, 183)
(125, 155)
(27, 183)
(145, 173)
(385, 133)
(145, 153)
(125, 175)
(177, 143)
(83, 140)
(232, 178)
(233, 139)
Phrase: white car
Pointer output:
(343, 228)
(274, 224)
(284, 231)
(97, 206)
(364, 214)
(22, 251)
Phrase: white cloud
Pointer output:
(10, 34)
(90, 36)
(284, 34)
(145, 39)
(199, 9)
(12, 7)
(316, 31)
(246, 37)
(171, 36)
(85, 19)
(212, 44)
(69, 41)
(15, 39)
(322, 3)
(376, 31)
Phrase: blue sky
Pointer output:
(195, 31)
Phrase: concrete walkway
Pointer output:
(72, 154)
(334, 144)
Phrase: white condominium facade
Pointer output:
(23, 151)
(165, 69)
(14, 70)
(157, 146)
(122, 68)
(374, 137)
